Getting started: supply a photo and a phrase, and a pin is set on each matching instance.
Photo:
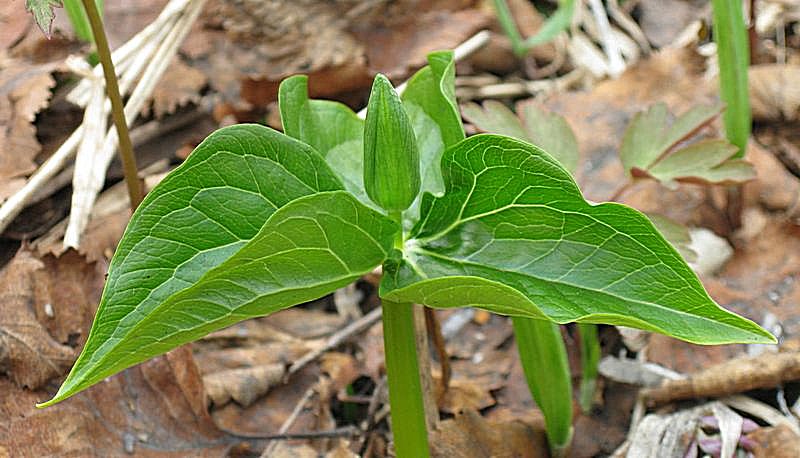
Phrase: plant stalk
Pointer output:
(406, 399)
(544, 361)
(590, 357)
(117, 108)
(405, 390)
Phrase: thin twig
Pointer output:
(435, 333)
(270, 449)
(117, 109)
(336, 339)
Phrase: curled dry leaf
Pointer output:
(243, 385)
(28, 354)
(157, 410)
(24, 91)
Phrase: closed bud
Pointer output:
(391, 157)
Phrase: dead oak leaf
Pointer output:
(28, 354)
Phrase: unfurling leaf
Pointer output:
(391, 157)
(332, 128)
(43, 13)
(650, 149)
(512, 218)
(548, 131)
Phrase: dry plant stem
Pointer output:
(424, 365)
(117, 108)
(435, 332)
(731, 377)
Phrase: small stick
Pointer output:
(117, 108)
(731, 377)
(337, 339)
(435, 332)
(270, 449)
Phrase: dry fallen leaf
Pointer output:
(180, 85)
(28, 354)
(24, 90)
(774, 92)
(157, 410)
(243, 385)
(469, 435)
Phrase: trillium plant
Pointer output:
(255, 221)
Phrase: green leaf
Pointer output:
(43, 13)
(430, 102)
(700, 162)
(391, 157)
(79, 20)
(307, 248)
(200, 215)
(512, 215)
(549, 131)
(330, 127)
(495, 118)
(676, 234)
(649, 149)
(554, 25)
(552, 133)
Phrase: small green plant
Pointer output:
(558, 22)
(255, 221)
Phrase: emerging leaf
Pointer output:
(430, 101)
(43, 13)
(513, 218)
(649, 149)
(252, 222)
(391, 157)
(332, 128)
(549, 131)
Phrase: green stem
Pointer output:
(590, 357)
(544, 361)
(733, 54)
(117, 109)
(405, 391)
(506, 21)
(406, 400)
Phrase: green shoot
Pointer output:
(558, 22)
(733, 54)
(544, 360)
(590, 358)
